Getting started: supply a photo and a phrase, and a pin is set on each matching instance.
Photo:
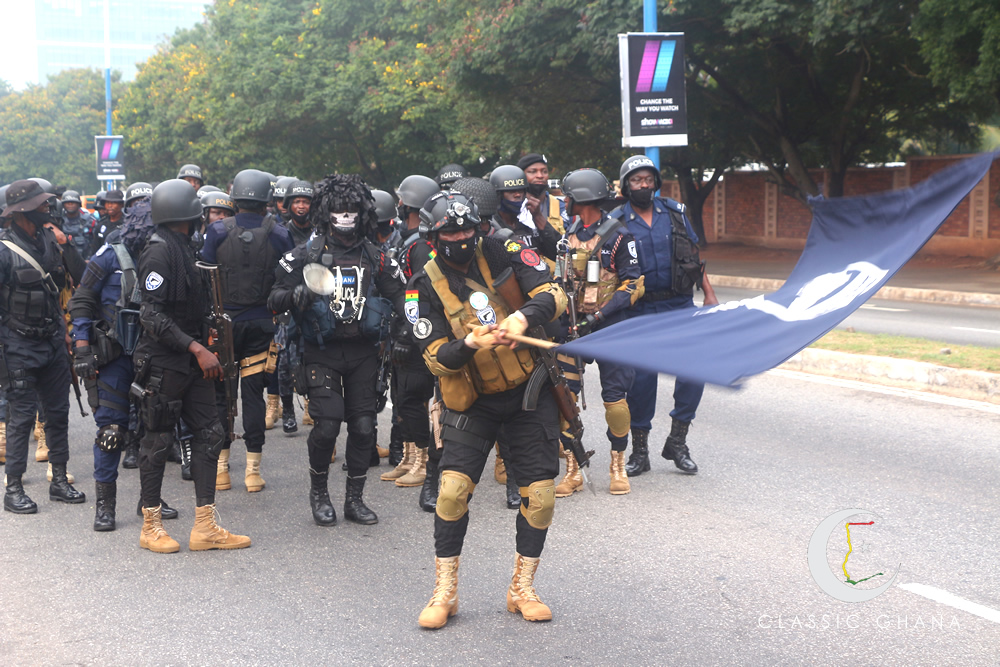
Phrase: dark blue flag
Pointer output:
(855, 245)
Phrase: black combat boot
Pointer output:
(395, 446)
(60, 489)
(638, 462)
(131, 458)
(354, 507)
(513, 493)
(15, 499)
(675, 449)
(166, 511)
(288, 423)
(429, 491)
(104, 515)
(319, 499)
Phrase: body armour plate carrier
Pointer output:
(593, 294)
(32, 301)
(247, 258)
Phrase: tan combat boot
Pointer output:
(253, 479)
(404, 465)
(499, 468)
(3, 442)
(273, 412)
(521, 596)
(153, 537)
(444, 599)
(333, 456)
(382, 451)
(573, 481)
(42, 452)
(222, 481)
(619, 480)
(207, 534)
(306, 419)
(48, 475)
(417, 473)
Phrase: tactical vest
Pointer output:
(361, 313)
(685, 262)
(31, 300)
(76, 228)
(592, 296)
(247, 259)
(490, 371)
(402, 252)
(555, 215)
(125, 326)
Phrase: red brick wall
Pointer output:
(745, 204)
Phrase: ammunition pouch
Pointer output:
(93, 399)
(104, 345)
(158, 413)
(127, 329)
(377, 317)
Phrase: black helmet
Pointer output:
(175, 201)
(218, 200)
(191, 171)
(252, 185)
(508, 177)
(71, 196)
(451, 173)
(632, 165)
(46, 185)
(449, 211)
(586, 186)
(99, 199)
(385, 206)
(272, 177)
(296, 188)
(137, 190)
(281, 185)
(208, 188)
(480, 192)
(415, 190)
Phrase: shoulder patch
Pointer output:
(631, 250)
(100, 251)
(153, 281)
(530, 257)
(422, 328)
(512, 246)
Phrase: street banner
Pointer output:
(654, 106)
(855, 245)
(110, 166)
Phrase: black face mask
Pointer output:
(641, 197)
(510, 207)
(38, 218)
(301, 220)
(536, 189)
(458, 252)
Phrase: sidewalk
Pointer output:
(932, 278)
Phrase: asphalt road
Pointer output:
(958, 325)
(709, 569)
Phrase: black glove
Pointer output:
(84, 363)
(586, 325)
(302, 298)
(400, 352)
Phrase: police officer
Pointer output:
(483, 382)
(414, 384)
(281, 184)
(34, 362)
(386, 233)
(175, 372)
(671, 268)
(105, 331)
(536, 173)
(192, 174)
(138, 191)
(297, 202)
(450, 173)
(514, 219)
(114, 206)
(75, 224)
(216, 206)
(341, 331)
(247, 248)
(602, 273)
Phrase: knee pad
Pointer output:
(541, 496)
(453, 496)
(325, 431)
(363, 425)
(155, 444)
(618, 417)
(211, 439)
(110, 438)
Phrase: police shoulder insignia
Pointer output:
(153, 281)
(422, 328)
(100, 251)
(512, 246)
(631, 249)
(530, 257)
(412, 311)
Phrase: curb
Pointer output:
(981, 299)
(900, 373)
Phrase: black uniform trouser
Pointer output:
(43, 367)
(341, 378)
(616, 383)
(180, 394)
(533, 441)
(250, 337)
(414, 388)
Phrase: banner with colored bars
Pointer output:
(110, 165)
(654, 103)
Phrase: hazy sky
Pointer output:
(19, 63)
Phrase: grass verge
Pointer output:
(918, 349)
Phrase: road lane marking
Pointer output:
(952, 600)
(925, 396)
(992, 331)
(868, 306)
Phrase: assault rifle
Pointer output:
(564, 272)
(547, 368)
(220, 343)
